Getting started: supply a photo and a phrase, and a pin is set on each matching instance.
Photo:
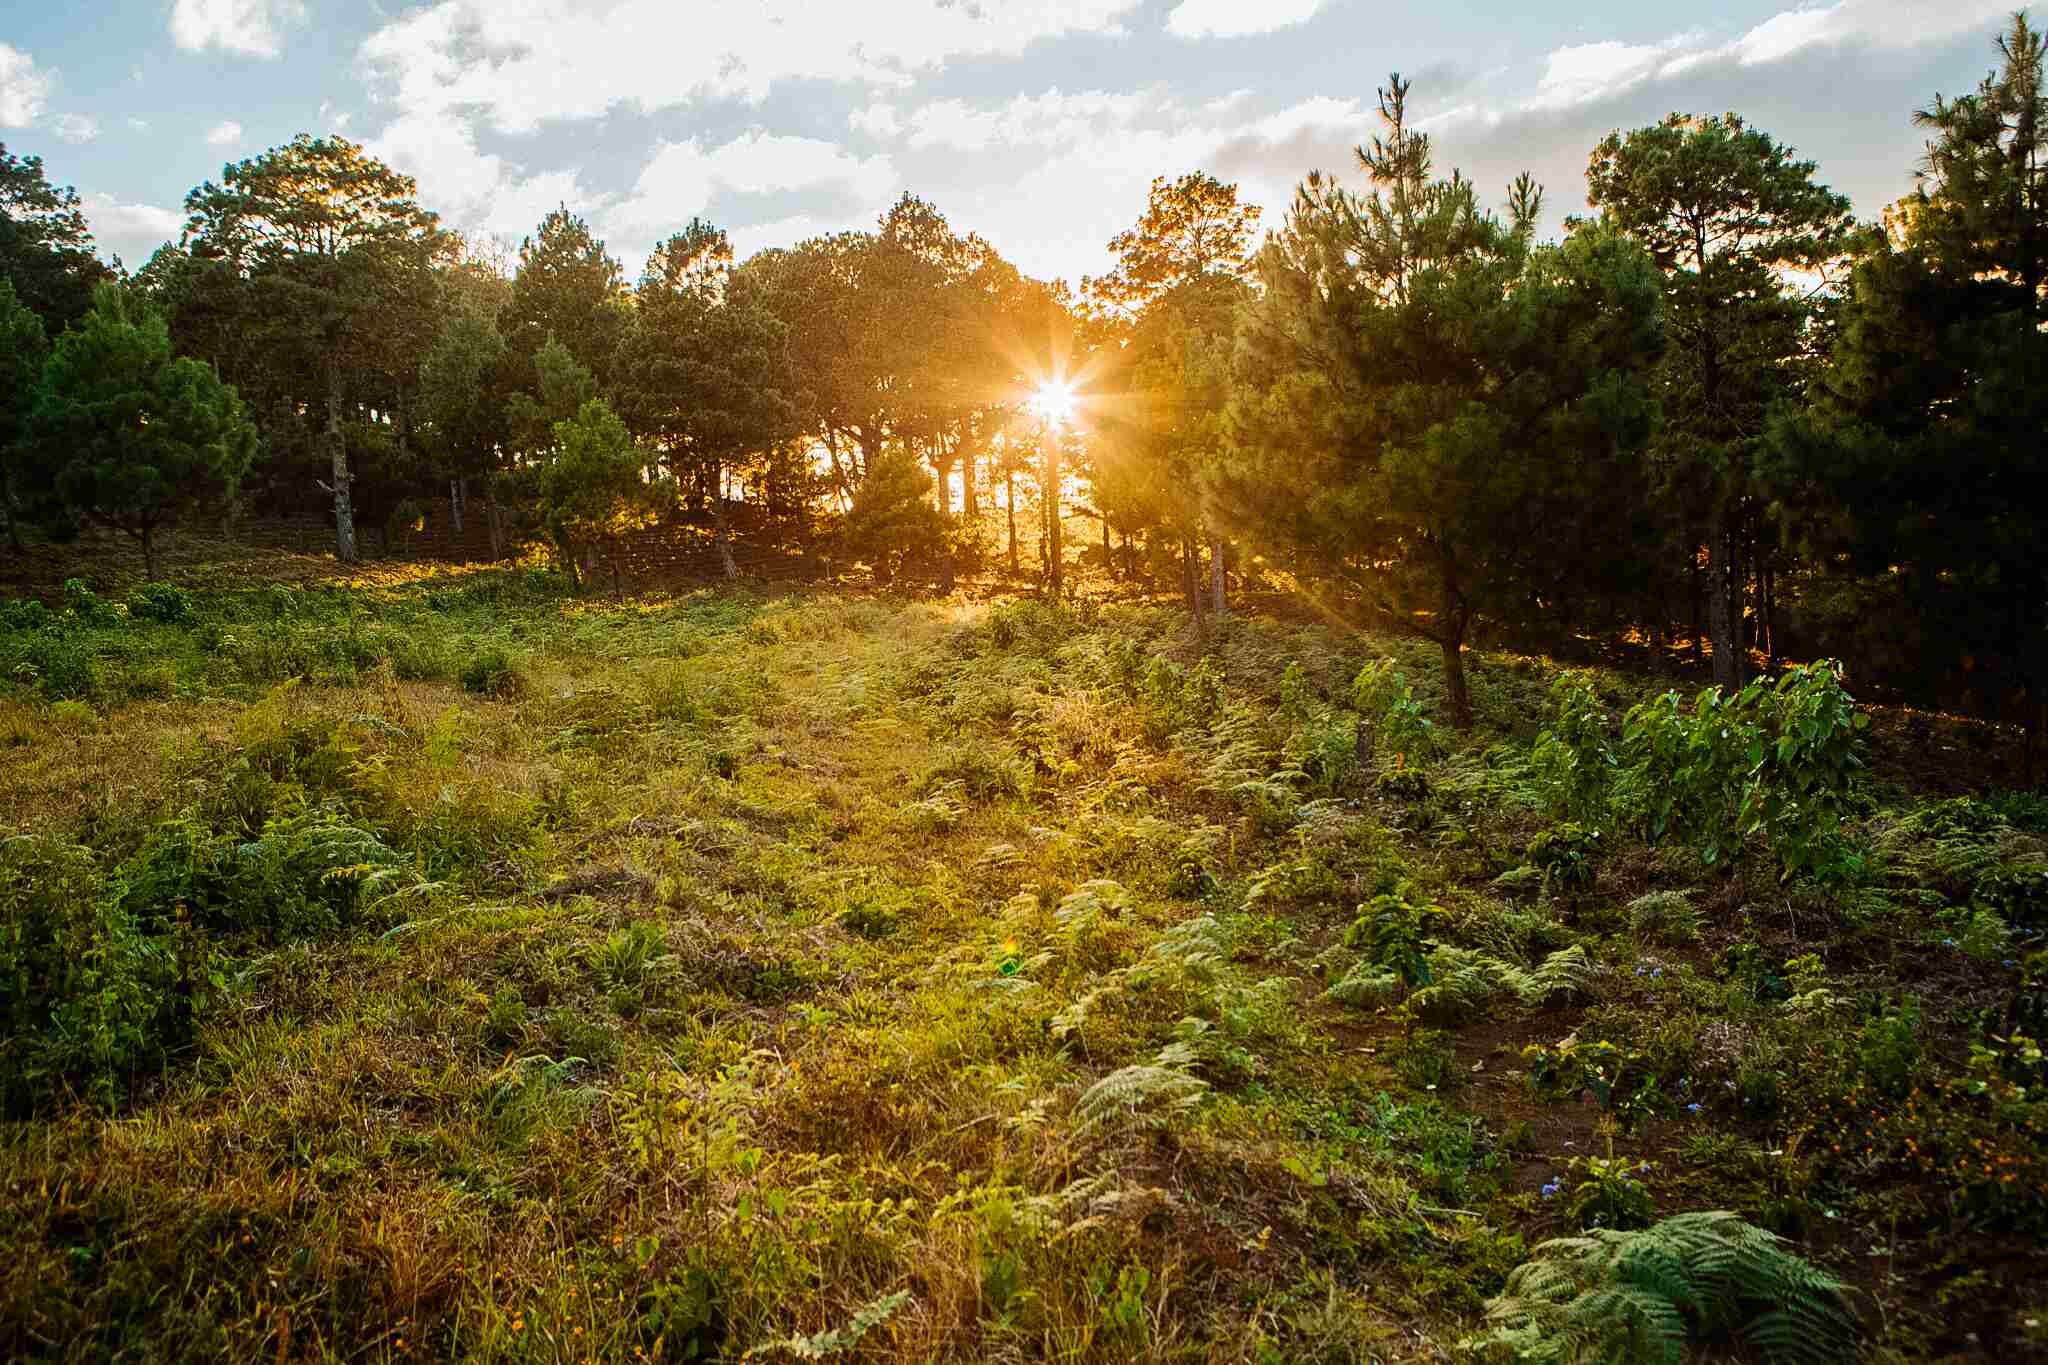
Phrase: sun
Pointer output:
(1053, 401)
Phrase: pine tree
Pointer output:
(1418, 385)
(1725, 212)
(337, 257)
(132, 437)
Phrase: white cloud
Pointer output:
(1587, 72)
(248, 28)
(1053, 119)
(131, 231)
(225, 134)
(877, 120)
(473, 190)
(75, 127)
(521, 63)
(681, 178)
(1236, 19)
(24, 87)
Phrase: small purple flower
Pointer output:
(1639, 970)
(1948, 943)
(1642, 1166)
(2011, 963)
(1692, 1108)
(1657, 973)
(1550, 1191)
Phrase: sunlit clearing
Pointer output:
(1054, 401)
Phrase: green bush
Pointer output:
(58, 666)
(1774, 761)
(1665, 917)
(310, 873)
(492, 672)
(1565, 855)
(87, 607)
(86, 996)
(1399, 724)
(22, 614)
(161, 602)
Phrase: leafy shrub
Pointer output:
(1172, 698)
(1393, 931)
(85, 994)
(23, 614)
(1399, 723)
(492, 672)
(161, 602)
(1323, 748)
(1610, 1193)
(1410, 785)
(1636, 1298)
(1888, 1047)
(1572, 762)
(87, 607)
(57, 666)
(1665, 917)
(309, 873)
(1565, 855)
(1773, 760)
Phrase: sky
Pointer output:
(1037, 123)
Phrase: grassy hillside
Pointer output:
(455, 968)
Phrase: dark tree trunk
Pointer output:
(1726, 584)
(1455, 620)
(455, 506)
(337, 450)
(1696, 596)
(1052, 517)
(1457, 696)
(1010, 505)
(494, 517)
(724, 536)
(1216, 571)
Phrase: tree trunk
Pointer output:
(494, 518)
(1725, 590)
(337, 449)
(1693, 584)
(724, 535)
(1216, 575)
(455, 506)
(1010, 505)
(1052, 516)
(1455, 620)
(1457, 696)
(149, 554)
(969, 505)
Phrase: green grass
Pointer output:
(921, 981)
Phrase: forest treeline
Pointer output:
(1718, 408)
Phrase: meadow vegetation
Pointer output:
(464, 967)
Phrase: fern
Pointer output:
(1365, 987)
(1152, 1093)
(1666, 916)
(1637, 1298)
(828, 1343)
